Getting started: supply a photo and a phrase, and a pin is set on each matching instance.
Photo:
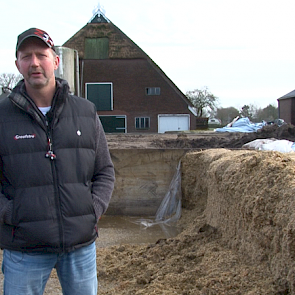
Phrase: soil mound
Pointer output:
(198, 140)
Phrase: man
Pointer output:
(56, 175)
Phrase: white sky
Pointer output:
(242, 50)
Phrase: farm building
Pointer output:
(131, 93)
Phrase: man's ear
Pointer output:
(16, 64)
(56, 62)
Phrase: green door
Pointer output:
(113, 124)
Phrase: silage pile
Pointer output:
(250, 198)
(238, 236)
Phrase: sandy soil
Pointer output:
(237, 223)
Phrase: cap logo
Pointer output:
(45, 37)
(34, 32)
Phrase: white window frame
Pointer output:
(143, 128)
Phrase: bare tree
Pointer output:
(202, 99)
(8, 80)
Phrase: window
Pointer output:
(142, 123)
(96, 48)
(101, 94)
(153, 91)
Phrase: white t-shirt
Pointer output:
(44, 110)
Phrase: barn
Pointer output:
(132, 94)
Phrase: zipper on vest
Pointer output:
(50, 154)
(52, 157)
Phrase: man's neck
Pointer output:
(42, 97)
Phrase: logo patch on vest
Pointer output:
(25, 136)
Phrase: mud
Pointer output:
(237, 225)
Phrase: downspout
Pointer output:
(82, 76)
(77, 73)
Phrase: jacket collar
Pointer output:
(21, 99)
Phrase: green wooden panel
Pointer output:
(113, 124)
(100, 95)
(96, 48)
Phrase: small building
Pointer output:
(286, 106)
(131, 93)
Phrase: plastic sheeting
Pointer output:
(241, 125)
(169, 210)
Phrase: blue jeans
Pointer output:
(27, 273)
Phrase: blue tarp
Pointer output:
(242, 125)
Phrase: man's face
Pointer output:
(37, 62)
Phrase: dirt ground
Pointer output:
(199, 140)
(238, 222)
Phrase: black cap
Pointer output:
(34, 32)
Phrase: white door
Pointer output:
(173, 123)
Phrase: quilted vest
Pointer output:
(47, 166)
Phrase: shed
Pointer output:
(286, 106)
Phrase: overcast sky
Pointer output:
(242, 50)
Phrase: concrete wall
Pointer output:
(143, 177)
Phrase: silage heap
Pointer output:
(249, 197)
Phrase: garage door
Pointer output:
(173, 123)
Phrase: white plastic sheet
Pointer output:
(170, 208)
(271, 144)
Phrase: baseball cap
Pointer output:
(34, 32)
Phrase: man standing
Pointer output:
(56, 177)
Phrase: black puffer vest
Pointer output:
(47, 169)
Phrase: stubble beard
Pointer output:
(39, 82)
